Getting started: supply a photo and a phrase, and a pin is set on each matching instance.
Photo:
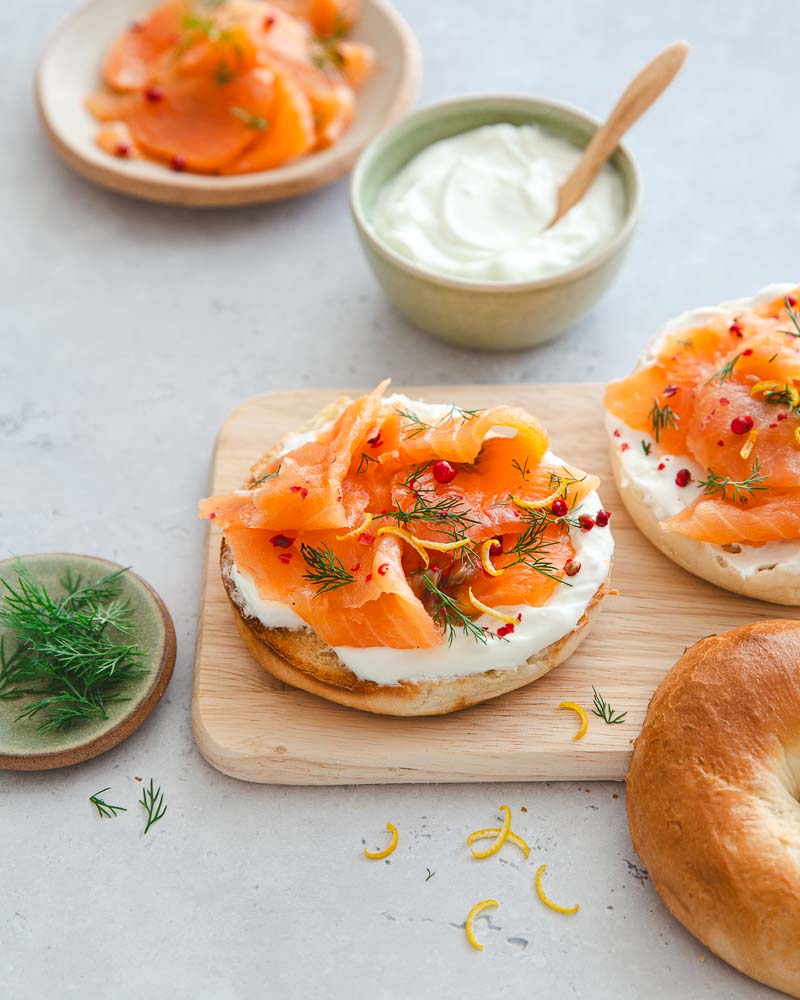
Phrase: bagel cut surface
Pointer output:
(712, 797)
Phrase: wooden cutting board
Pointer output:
(253, 727)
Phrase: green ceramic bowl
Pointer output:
(485, 315)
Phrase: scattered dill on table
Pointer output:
(153, 801)
(69, 659)
(104, 809)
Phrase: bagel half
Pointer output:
(769, 573)
(712, 797)
(297, 656)
(775, 582)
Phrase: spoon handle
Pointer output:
(648, 84)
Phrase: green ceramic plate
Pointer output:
(21, 746)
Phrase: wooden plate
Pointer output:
(251, 726)
(22, 748)
(70, 69)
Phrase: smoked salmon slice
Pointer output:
(132, 58)
(726, 395)
(287, 135)
(372, 526)
(200, 125)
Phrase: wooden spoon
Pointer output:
(648, 85)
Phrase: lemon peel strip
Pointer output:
(537, 504)
(501, 838)
(544, 897)
(486, 558)
(573, 706)
(377, 855)
(407, 537)
(356, 531)
(494, 831)
(749, 444)
(480, 606)
(469, 926)
(772, 388)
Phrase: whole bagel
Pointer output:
(712, 797)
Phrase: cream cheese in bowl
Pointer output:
(476, 206)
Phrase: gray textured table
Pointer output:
(128, 332)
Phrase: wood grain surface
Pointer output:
(252, 727)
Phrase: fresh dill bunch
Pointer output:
(662, 418)
(604, 711)
(448, 615)
(741, 491)
(153, 801)
(68, 656)
(325, 569)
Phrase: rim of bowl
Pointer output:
(389, 136)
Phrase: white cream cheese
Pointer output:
(477, 205)
(654, 474)
(538, 629)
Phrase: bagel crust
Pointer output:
(712, 797)
(300, 658)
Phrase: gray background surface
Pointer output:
(129, 331)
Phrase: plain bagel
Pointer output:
(712, 796)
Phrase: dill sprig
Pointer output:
(365, 462)
(725, 373)
(104, 809)
(461, 413)
(531, 547)
(604, 711)
(267, 475)
(416, 424)
(153, 801)
(449, 515)
(566, 480)
(430, 875)
(646, 447)
(741, 491)
(448, 615)
(67, 658)
(794, 317)
(325, 569)
(522, 468)
(662, 418)
(250, 118)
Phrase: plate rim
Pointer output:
(140, 711)
(211, 191)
